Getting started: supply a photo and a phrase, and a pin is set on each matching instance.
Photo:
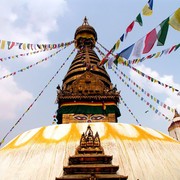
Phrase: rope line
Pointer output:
(2, 141)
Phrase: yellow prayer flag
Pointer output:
(147, 11)
(175, 20)
(41, 46)
(120, 60)
(3, 43)
(157, 54)
(24, 46)
(117, 44)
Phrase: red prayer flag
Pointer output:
(171, 49)
(130, 27)
(150, 40)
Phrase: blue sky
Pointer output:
(55, 21)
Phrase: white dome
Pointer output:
(140, 153)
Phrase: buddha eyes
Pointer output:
(89, 118)
(80, 117)
(97, 117)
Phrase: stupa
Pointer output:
(88, 142)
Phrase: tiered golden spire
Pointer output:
(87, 87)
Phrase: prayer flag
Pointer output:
(150, 41)
(147, 11)
(117, 44)
(138, 48)
(126, 52)
(10, 44)
(122, 38)
(110, 62)
(130, 27)
(172, 49)
(157, 54)
(24, 46)
(175, 20)
(3, 43)
(162, 34)
(177, 46)
(139, 19)
(150, 3)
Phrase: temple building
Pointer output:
(88, 142)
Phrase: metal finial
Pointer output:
(85, 21)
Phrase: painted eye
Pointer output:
(80, 117)
(97, 117)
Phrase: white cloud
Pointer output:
(171, 98)
(30, 21)
(12, 97)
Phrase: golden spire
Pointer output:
(87, 87)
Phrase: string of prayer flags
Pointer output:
(142, 99)
(105, 58)
(154, 80)
(4, 44)
(148, 8)
(127, 51)
(149, 40)
(30, 66)
(146, 93)
(129, 110)
(27, 110)
(115, 59)
(100, 52)
(175, 20)
(21, 55)
(162, 34)
(155, 55)
(147, 11)
(119, 60)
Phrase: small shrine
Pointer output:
(90, 161)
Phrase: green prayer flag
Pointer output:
(162, 34)
(116, 61)
(177, 46)
(139, 19)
